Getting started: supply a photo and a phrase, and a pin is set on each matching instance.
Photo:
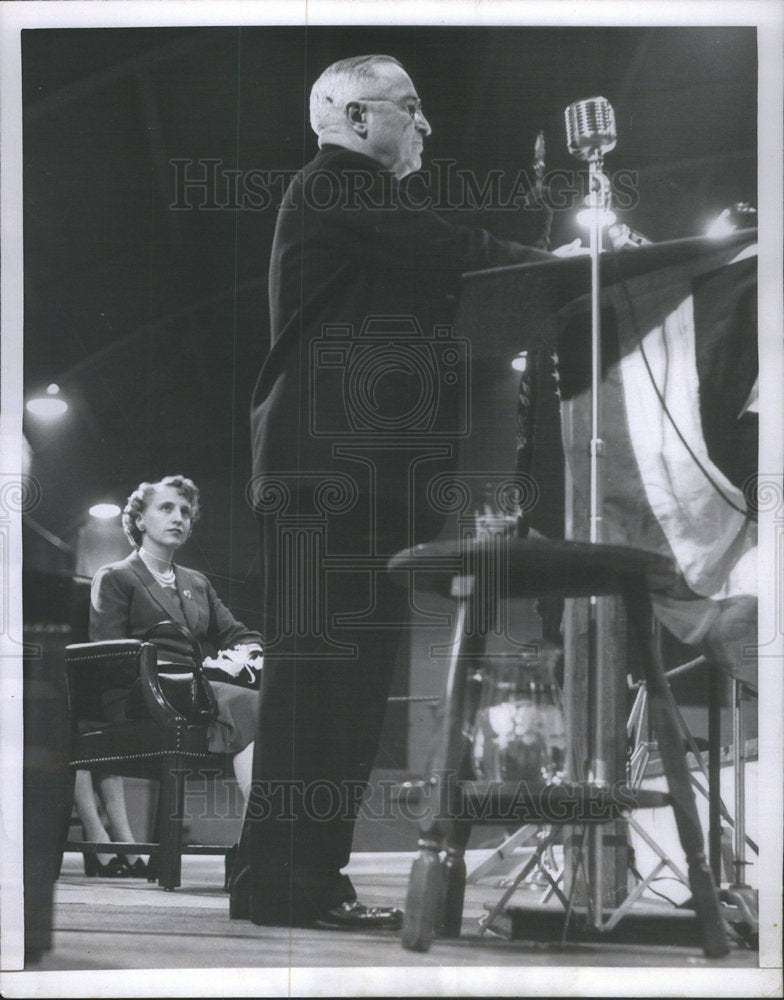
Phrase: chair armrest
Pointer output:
(155, 701)
(203, 705)
(128, 659)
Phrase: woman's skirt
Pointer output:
(238, 714)
(232, 730)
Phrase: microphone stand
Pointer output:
(597, 771)
(590, 133)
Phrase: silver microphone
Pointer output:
(590, 128)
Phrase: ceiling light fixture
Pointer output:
(50, 406)
(104, 511)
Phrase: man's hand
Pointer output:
(573, 249)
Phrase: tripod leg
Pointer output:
(501, 853)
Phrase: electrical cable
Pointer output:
(661, 895)
(638, 337)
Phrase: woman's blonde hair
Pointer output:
(138, 500)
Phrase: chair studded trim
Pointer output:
(112, 655)
(157, 755)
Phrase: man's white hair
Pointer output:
(340, 83)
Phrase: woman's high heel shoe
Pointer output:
(114, 868)
(136, 870)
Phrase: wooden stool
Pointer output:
(535, 568)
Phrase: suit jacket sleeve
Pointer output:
(110, 602)
(382, 222)
(366, 250)
(406, 238)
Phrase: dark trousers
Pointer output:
(334, 623)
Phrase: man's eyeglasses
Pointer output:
(412, 105)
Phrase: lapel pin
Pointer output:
(188, 594)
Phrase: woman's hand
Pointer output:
(247, 658)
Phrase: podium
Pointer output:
(653, 295)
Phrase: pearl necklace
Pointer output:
(167, 579)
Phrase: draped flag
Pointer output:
(679, 422)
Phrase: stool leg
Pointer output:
(434, 904)
(455, 879)
(425, 897)
(664, 718)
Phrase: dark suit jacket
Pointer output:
(365, 381)
(348, 248)
(126, 601)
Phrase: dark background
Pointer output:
(153, 320)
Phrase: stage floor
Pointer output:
(105, 930)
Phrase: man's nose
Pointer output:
(422, 124)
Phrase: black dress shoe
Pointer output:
(348, 916)
(355, 916)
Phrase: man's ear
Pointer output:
(355, 114)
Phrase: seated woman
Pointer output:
(108, 791)
(130, 597)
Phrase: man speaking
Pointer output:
(361, 402)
